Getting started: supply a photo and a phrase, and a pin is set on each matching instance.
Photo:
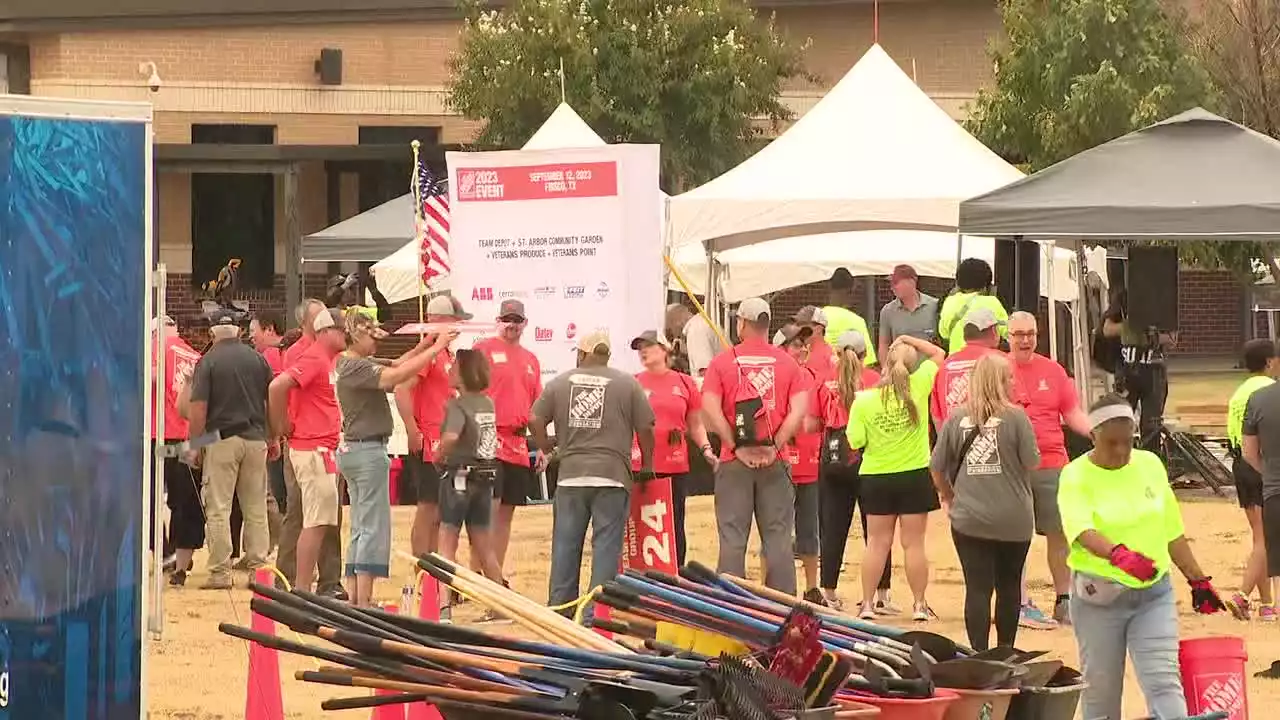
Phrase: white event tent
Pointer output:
(875, 153)
(397, 274)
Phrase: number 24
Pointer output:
(656, 546)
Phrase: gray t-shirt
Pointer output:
(232, 379)
(472, 417)
(1262, 420)
(596, 411)
(896, 320)
(366, 414)
(993, 484)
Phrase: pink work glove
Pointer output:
(1136, 564)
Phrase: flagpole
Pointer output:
(417, 229)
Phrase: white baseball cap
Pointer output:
(754, 310)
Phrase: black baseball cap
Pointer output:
(512, 308)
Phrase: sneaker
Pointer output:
(815, 596)
(170, 563)
(242, 564)
(1033, 618)
(1267, 613)
(335, 592)
(885, 608)
(1239, 606)
(217, 583)
(178, 578)
(1062, 612)
(446, 616)
(492, 618)
(833, 601)
(865, 612)
(921, 612)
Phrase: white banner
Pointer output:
(576, 235)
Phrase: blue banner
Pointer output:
(72, 283)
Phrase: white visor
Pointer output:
(1110, 412)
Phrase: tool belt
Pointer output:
(463, 476)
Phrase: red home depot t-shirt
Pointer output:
(275, 360)
(179, 363)
(672, 396)
(802, 453)
(317, 421)
(429, 397)
(1043, 388)
(291, 355)
(835, 414)
(755, 369)
(515, 381)
(822, 359)
(951, 386)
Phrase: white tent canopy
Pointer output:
(397, 273)
(776, 265)
(875, 153)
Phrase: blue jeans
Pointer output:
(572, 509)
(1143, 623)
(367, 469)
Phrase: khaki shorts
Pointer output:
(318, 488)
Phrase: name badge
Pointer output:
(499, 357)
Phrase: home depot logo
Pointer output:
(542, 334)
(571, 332)
(482, 294)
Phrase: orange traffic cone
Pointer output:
(388, 712)
(428, 609)
(262, 699)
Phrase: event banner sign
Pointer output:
(73, 240)
(576, 235)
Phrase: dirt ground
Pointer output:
(196, 673)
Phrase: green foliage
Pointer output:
(696, 76)
(1073, 74)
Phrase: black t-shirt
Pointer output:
(232, 379)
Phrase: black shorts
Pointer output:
(517, 484)
(425, 477)
(806, 505)
(902, 493)
(1248, 483)
(473, 507)
(1271, 534)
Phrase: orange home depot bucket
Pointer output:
(1213, 676)
(933, 708)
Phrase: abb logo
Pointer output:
(481, 294)
(571, 332)
(542, 334)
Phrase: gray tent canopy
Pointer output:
(1195, 176)
(368, 237)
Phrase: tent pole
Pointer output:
(959, 248)
(1081, 337)
(1052, 248)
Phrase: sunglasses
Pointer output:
(513, 319)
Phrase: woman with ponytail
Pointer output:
(838, 482)
(890, 423)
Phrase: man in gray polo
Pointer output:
(911, 312)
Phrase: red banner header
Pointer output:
(538, 182)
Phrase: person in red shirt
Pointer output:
(1043, 388)
(176, 360)
(802, 454)
(306, 387)
(330, 578)
(839, 481)
(266, 332)
(763, 390)
(515, 382)
(420, 403)
(819, 356)
(951, 386)
(677, 408)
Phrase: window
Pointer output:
(233, 215)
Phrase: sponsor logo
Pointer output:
(602, 290)
(543, 334)
(544, 292)
(513, 294)
(482, 294)
(574, 292)
(571, 332)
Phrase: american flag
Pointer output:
(432, 223)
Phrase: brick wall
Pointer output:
(1210, 312)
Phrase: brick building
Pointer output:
(255, 149)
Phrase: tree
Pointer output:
(696, 76)
(1073, 74)
(1238, 42)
